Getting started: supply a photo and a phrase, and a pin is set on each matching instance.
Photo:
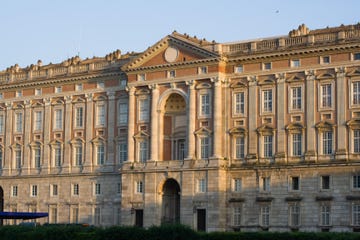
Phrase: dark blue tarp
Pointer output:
(22, 215)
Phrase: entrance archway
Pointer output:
(171, 202)
(174, 127)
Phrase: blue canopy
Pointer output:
(22, 215)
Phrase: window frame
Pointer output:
(100, 114)
(294, 214)
(58, 119)
(267, 102)
(325, 214)
(122, 112)
(239, 103)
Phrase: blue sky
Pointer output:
(53, 30)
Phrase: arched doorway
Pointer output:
(174, 128)
(171, 202)
(1, 203)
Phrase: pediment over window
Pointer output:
(354, 123)
(57, 101)
(326, 75)
(203, 131)
(100, 98)
(324, 126)
(78, 99)
(77, 140)
(295, 128)
(295, 78)
(203, 86)
(238, 83)
(268, 80)
(142, 91)
(35, 104)
(16, 145)
(265, 130)
(98, 139)
(238, 131)
(55, 142)
(34, 144)
(354, 73)
(173, 50)
(141, 134)
(18, 106)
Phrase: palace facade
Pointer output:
(243, 136)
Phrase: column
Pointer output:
(47, 132)
(27, 129)
(252, 117)
(8, 139)
(217, 120)
(154, 123)
(89, 127)
(131, 124)
(341, 107)
(111, 129)
(67, 134)
(310, 115)
(280, 99)
(191, 119)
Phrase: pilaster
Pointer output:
(191, 119)
(46, 134)
(281, 108)
(110, 159)
(131, 124)
(8, 139)
(253, 114)
(27, 167)
(217, 118)
(341, 150)
(154, 123)
(67, 134)
(89, 126)
(310, 150)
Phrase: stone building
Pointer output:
(243, 136)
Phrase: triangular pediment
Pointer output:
(174, 49)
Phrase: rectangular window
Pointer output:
(19, 93)
(34, 190)
(296, 98)
(123, 113)
(356, 182)
(237, 185)
(79, 117)
(295, 183)
(144, 110)
(265, 182)
(100, 117)
(58, 119)
(141, 77)
(267, 100)
(325, 215)
(268, 146)
(58, 89)
(267, 66)
(122, 152)
(78, 87)
(75, 188)
(58, 155)
(205, 147)
(356, 141)
(294, 212)
(325, 60)
(38, 121)
(326, 95)
(14, 191)
(171, 74)
(265, 216)
(240, 147)
(37, 157)
(325, 182)
(237, 216)
(205, 104)
(327, 142)
(202, 70)
(143, 151)
(139, 187)
(54, 190)
(297, 144)
(239, 103)
(239, 69)
(74, 215)
(100, 85)
(97, 189)
(38, 92)
(356, 215)
(18, 158)
(19, 122)
(356, 56)
(356, 93)
(100, 154)
(202, 185)
(295, 63)
(2, 123)
(78, 155)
